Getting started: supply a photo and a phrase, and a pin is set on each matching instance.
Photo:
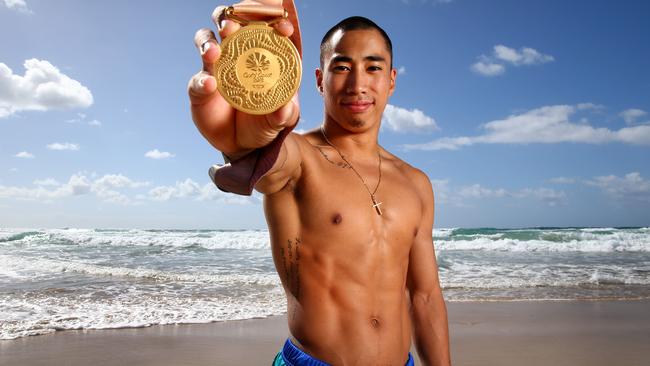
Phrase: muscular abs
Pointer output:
(344, 267)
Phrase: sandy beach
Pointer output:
(487, 333)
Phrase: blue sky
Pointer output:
(522, 113)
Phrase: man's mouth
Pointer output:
(357, 106)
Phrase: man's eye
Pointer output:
(374, 68)
(341, 68)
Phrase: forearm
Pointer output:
(430, 328)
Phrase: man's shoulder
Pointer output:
(419, 178)
(405, 168)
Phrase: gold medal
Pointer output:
(259, 70)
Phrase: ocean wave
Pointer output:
(470, 274)
(17, 267)
(8, 236)
(487, 239)
(443, 232)
(37, 314)
(551, 242)
(210, 240)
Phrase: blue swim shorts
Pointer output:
(294, 356)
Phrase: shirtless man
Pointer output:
(358, 283)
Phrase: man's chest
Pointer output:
(338, 200)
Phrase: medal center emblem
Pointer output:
(258, 70)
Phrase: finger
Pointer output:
(201, 86)
(286, 116)
(210, 50)
(225, 26)
(202, 37)
(284, 27)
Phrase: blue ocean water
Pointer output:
(54, 279)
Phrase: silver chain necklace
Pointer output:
(375, 204)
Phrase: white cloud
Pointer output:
(120, 189)
(493, 65)
(488, 68)
(461, 196)
(81, 118)
(562, 180)
(43, 87)
(549, 124)
(477, 191)
(404, 120)
(63, 146)
(401, 70)
(445, 143)
(190, 189)
(525, 55)
(632, 115)
(550, 196)
(156, 154)
(47, 182)
(105, 188)
(24, 155)
(78, 184)
(18, 5)
(109, 181)
(632, 186)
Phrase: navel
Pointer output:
(374, 321)
(337, 219)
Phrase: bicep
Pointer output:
(286, 167)
(423, 268)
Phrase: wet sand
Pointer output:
(487, 333)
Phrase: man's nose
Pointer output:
(356, 82)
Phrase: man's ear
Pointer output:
(393, 76)
(319, 80)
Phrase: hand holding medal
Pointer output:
(247, 91)
(259, 70)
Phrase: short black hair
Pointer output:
(350, 24)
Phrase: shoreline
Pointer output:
(564, 332)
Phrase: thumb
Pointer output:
(286, 116)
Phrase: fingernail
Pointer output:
(205, 47)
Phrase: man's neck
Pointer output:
(358, 146)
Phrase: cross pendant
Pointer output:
(376, 206)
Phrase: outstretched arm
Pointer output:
(235, 133)
(428, 310)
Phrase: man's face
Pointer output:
(356, 79)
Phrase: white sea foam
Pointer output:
(442, 232)
(207, 239)
(17, 267)
(468, 275)
(555, 240)
(597, 229)
(34, 315)
(586, 242)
